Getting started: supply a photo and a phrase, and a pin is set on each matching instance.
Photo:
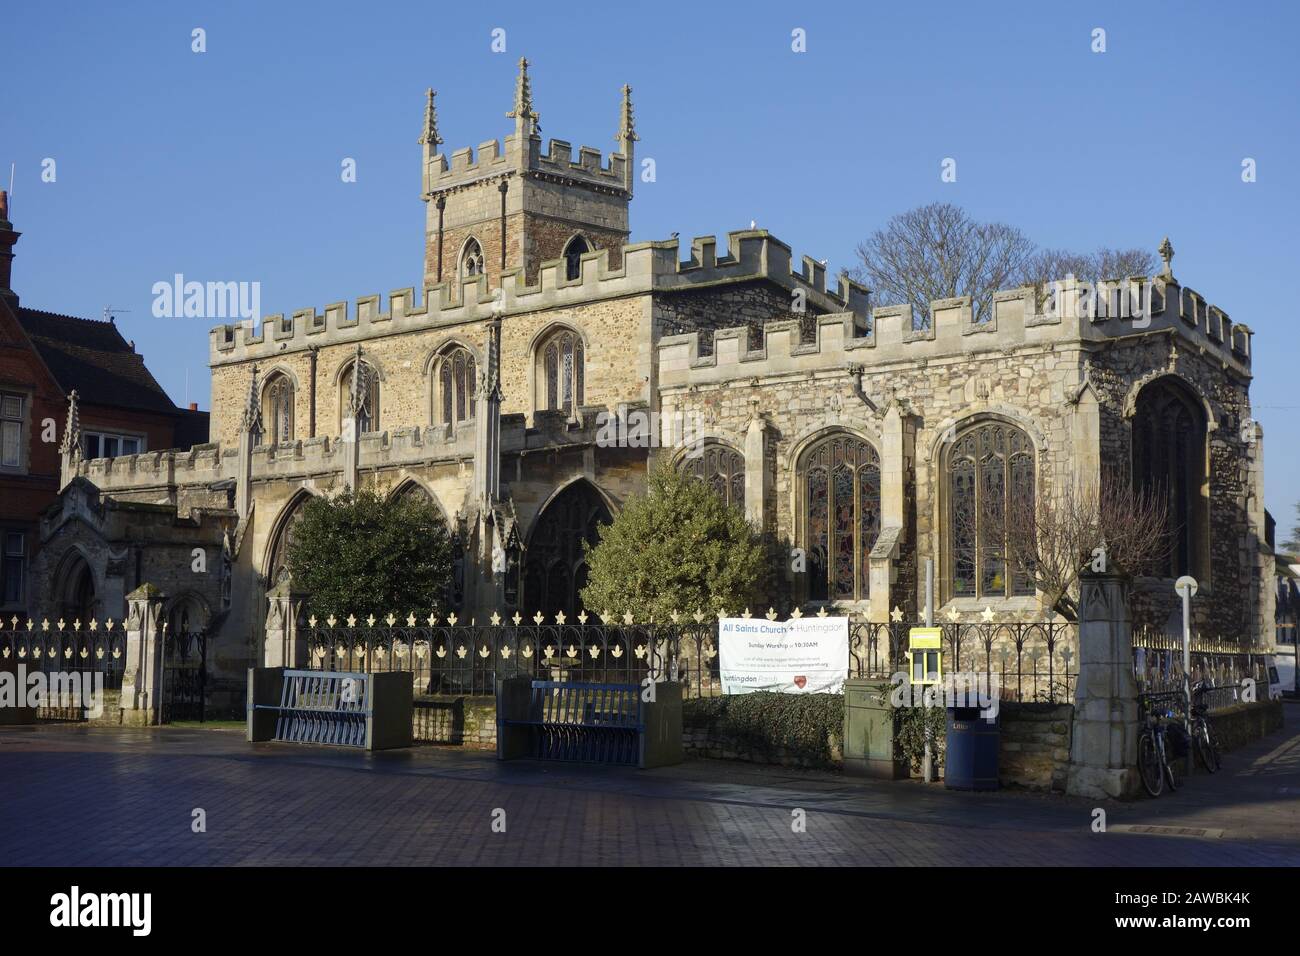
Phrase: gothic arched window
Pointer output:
(368, 413)
(555, 566)
(573, 257)
(722, 468)
(562, 370)
(277, 563)
(277, 408)
(456, 386)
(989, 467)
(1169, 462)
(471, 260)
(840, 487)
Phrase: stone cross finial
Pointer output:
(72, 431)
(1166, 251)
(626, 121)
(252, 420)
(523, 110)
(430, 135)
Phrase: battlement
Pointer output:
(647, 268)
(411, 445)
(496, 157)
(1070, 312)
(590, 167)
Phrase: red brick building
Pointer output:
(123, 410)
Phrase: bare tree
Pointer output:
(1047, 541)
(1048, 265)
(1051, 540)
(939, 252)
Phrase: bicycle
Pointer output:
(1153, 756)
(1205, 740)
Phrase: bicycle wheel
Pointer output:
(1168, 767)
(1149, 769)
(1207, 749)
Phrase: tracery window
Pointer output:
(573, 257)
(989, 467)
(721, 468)
(277, 408)
(368, 415)
(555, 565)
(840, 483)
(1169, 461)
(456, 386)
(563, 370)
(471, 260)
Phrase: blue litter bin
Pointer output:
(971, 759)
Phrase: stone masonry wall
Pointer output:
(616, 334)
(1034, 749)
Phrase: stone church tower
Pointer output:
(512, 207)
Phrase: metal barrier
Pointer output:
(338, 708)
(595, 723)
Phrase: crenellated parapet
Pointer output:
(647, 268)
(404, 447)
(494, 158)
(1068, 312)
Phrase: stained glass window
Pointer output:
(722, 468)
(990, 466)
(841, 483)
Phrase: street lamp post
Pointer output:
(1185, 587)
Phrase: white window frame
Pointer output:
(24, 411)
(118, 437)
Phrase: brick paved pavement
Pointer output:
(80, 796)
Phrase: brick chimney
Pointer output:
(7, 240)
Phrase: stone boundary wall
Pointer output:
(469, 722)
(1034, 752)
(1242, 724)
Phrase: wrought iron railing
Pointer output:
(1222, 664)
(467, 660)
(1026, 661)
(1029, 661)
(66, 648)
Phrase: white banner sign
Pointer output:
(805, 656)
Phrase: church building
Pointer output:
(866, 440)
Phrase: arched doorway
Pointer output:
(76, 590)
(555, 569)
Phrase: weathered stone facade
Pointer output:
(763, 357)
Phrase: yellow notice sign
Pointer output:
(925, 655)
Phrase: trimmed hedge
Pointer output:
(806, 726)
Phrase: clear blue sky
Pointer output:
(225, 165)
